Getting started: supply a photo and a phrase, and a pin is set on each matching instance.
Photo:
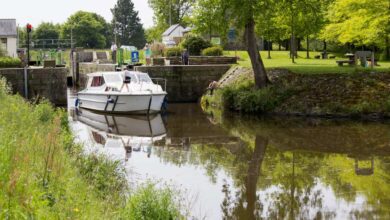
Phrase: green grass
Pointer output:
(44, 175)
(280, 59)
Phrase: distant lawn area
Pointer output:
(280, 59)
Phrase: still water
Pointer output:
(236, 167)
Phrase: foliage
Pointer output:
(173, 52)
(9, 62)
(358, 22)
(127, 24)
(246, 99)
(44, 175)
(195, 45)
(89, 29)
(213, 51)
(168, 13)
(47, 30)
(149, 202)
(208, 18)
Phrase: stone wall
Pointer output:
(196, 60)
(85, 68)
(186, 83)
(49, 83)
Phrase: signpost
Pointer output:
(135, 57)
(232, 39)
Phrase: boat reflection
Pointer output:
(122, 135)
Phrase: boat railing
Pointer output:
(161, 82)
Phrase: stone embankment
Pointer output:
(325, 95)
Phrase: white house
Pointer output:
(8, 36)
(173, 35)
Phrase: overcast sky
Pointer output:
(57, 11)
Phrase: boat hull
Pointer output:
(122, 103)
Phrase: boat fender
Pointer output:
(110, 100)
(76, 103)
(164, 106)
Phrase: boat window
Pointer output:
(131, 77)
(113, 78)
(144, 78)
(97, 81)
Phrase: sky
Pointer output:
(57, 11)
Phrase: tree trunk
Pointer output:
(260, 75)
(387, 52)
(253, 176)
(269, 49)
(307, 47)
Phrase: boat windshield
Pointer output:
(131, 76)
(144, 78)
(113, 80)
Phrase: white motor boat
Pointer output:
(126, 92)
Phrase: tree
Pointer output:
(89, 30)
(169, 12)
(360, 23)
(47, 30)
(206, 18)
(126, 24)
(241, 14)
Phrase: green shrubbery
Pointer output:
(44, 175)
(213, 51)
(195, 45)
(173, 52)
(245, 98)
(152, 203)
(9, 62)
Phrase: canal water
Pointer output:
(236, 167)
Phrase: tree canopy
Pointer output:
(90, 30)
(127, 25)
(47, 30)
(360, 22)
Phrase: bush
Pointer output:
(245, 98)
(195, 45)
(151, 203)
(9, 62)
(213, 51)
(173, 52)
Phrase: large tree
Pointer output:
(241, 15)
(47, 30)
(89, 30)
(126, 24)
(360, 23)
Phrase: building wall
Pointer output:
(12, 47)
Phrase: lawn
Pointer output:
(280, 59)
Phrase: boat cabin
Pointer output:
(120, 81)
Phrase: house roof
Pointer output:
(8, 28)
(171, 29)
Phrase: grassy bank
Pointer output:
(43, 175)
(341, 95)
(280, 59)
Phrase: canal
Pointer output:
(237, 167)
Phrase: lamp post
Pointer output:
(29, 29)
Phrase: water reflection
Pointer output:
(253, 168)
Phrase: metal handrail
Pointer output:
(158, 80)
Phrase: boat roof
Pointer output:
(114, 73)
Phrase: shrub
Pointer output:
(195, 45)
(173, 52)
(9, 62)
(213, 51)
(148, 202)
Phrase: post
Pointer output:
(28, 48)
(26, 82)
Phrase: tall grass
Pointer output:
(43, 175)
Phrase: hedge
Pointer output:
(9, 62)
